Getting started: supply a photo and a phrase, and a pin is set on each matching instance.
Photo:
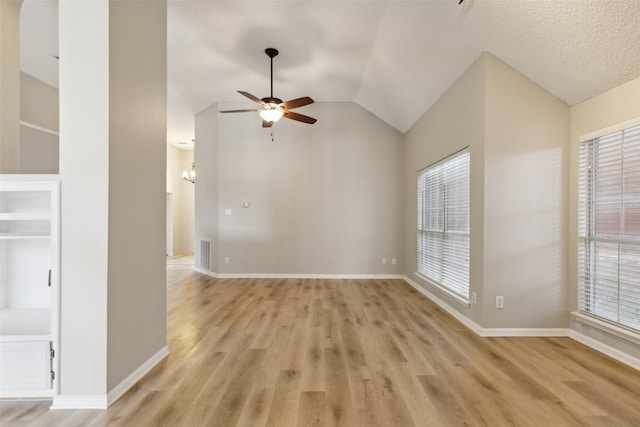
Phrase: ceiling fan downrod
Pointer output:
(271, 53)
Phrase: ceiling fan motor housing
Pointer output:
(271, 100)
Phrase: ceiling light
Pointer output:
(271, 115)
(190, 176)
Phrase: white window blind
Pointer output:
(609, 227)
(443, 224)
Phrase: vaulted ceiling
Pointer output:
(393, 58)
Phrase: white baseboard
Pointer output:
(136, 376)
(207, 272)
(296, 275)
(614, 353)
(308, 276)
(103, 401)
(525, 332)
(84, 401)
(459, 316)
(489, 332)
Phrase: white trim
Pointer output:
(489, 332)
(38, 128)
(451, 156)
(614, 353)
(610, 129)
(26, 394)
(307, 276)
(81, 401)
(28, 179)
(457, 298)
(103, 401)
(207, 272)
(525, 332)
(136, 376)
(296, 275)
(606, 327)
(446, 307)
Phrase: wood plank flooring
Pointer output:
(293, 352)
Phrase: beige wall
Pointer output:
(526, 171)
(456, 121)
(206, 188)
(39, 103)
(182, 197)
(39, 151)
(137, 190)
(325, 199)
(608, 109)
(39, 145)
(10, 86)
(518, 138)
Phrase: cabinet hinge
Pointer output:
(49, 282)
(53, 375)
(52, 353)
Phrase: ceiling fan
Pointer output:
(273, 109)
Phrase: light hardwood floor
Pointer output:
(256, 352)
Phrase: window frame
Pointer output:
(448, 236)
(588, 236)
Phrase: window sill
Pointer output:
(457, 298)
(607, 327)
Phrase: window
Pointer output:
(443, 224)
(609, 227)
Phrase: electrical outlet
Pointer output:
(474, 298)
(227, 260)
(384, 261)
(393, 261)
(499, 302)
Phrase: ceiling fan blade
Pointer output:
(237, 111)
(299, 117)
(298, 102)
(251, 97)
(266, 124)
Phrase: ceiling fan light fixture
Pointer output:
(271, 115)
(273, 109)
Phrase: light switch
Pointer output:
(227, 212)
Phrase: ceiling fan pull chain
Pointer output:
(272, 140)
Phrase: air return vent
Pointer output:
(205, 255)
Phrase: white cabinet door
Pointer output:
(25, 368)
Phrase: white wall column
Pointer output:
(112, 166)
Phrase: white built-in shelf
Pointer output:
(24, 235)
(25, 216)
(25, 324)
(29, 274)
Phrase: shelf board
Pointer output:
(25, 324)
(25, 216)
(25, 235)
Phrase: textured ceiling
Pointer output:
(394, 58)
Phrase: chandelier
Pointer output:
(190, 176)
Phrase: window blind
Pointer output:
(443, 224)
(609, 227)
